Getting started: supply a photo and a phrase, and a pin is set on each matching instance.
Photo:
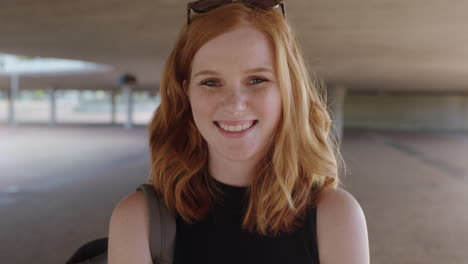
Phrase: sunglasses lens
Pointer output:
(262, 3)
(206, 5)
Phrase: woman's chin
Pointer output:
(238, 155)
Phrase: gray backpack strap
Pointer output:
(162, 227)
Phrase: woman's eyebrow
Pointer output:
(259, 69)
(206, 72)
(211, 72)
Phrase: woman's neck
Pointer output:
(231, 172)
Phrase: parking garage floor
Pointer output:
(58, 187)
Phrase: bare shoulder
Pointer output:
(341, 229)
(129, 231)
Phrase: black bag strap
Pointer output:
(162, 227)
(92, 252)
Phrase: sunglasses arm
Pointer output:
(283, 8)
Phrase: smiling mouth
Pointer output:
(236, 128)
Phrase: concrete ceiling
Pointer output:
(417, 45)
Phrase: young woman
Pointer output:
(242, 151)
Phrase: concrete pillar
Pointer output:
(14, 91)
(80, 96)
(113, 97)
(127, 97)
(53, 113)
(465, 113)
(7, 105)
(336, 99)
(127, 84)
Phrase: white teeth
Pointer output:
(237, 128)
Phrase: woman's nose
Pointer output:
(235, 101)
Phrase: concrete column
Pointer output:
(53, 113)
(113, 97)
(127, 84)
(336, 99)
(7, 105)
(14, 90)
(464, 113)
(80, 96)
(127, 96)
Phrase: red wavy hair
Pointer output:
(302, 162)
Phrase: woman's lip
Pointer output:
(232, 134)
(234, 123)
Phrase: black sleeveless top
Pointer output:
(219, 238)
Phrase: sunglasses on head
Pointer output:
(203, 6)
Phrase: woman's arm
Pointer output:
(341, 229)
(129, 232)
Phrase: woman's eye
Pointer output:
(257, 80)
(210, 83)
(214, 83)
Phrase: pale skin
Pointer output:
(233, 83)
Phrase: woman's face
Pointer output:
(235, 100)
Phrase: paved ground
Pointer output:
(413, 188)
(58, 188)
